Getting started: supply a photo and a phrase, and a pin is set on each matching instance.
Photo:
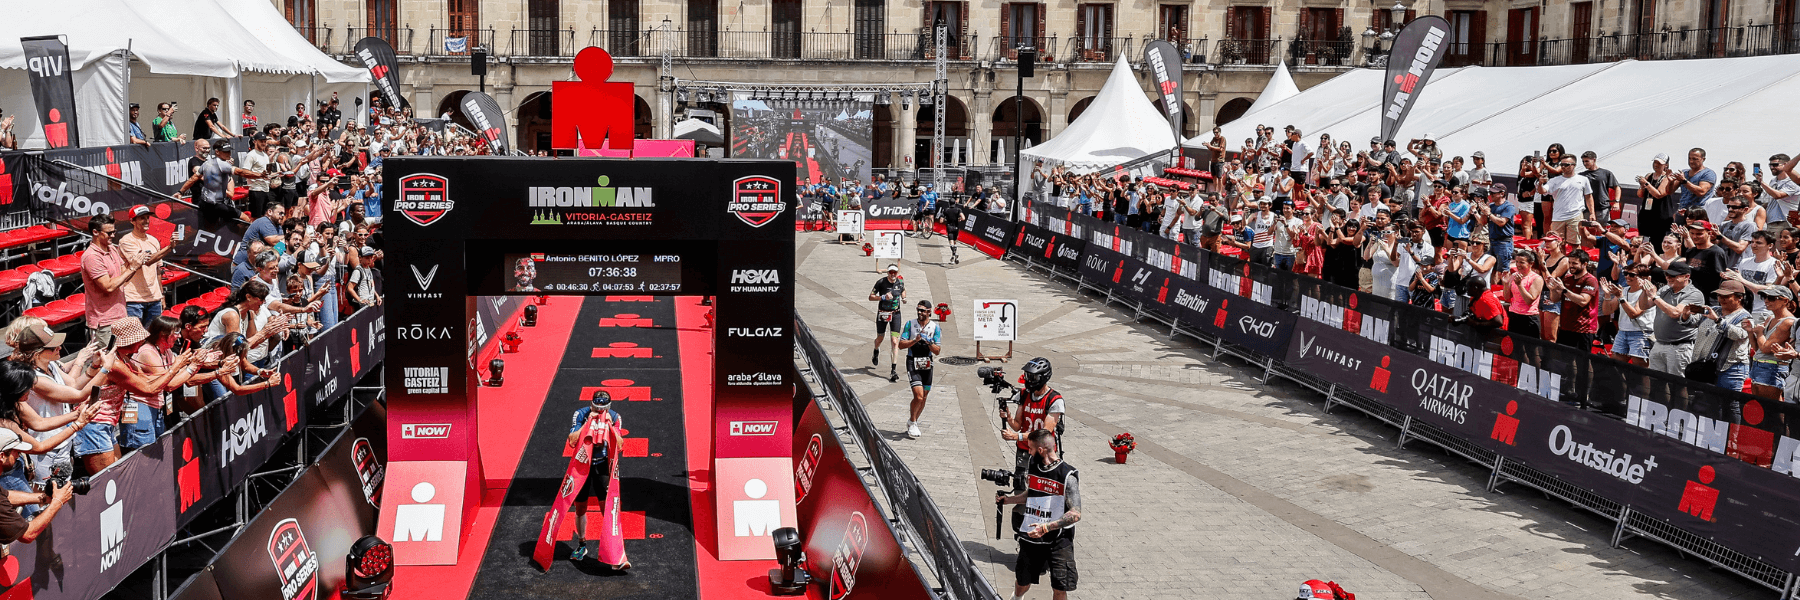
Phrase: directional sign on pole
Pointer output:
(888, 244)
(996, 320)
(850, 222)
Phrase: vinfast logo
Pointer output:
(1310, 347)
(424, 278)
(61, 196)
(1259, 328)
(1497, 367)
(1608, 461)
(1240, 285)
(1190, 301)
(238, 437)
(742, 428)
(1347, 319)
(753, 331)
(1409, 80)
(1442, 396)
(1743, 442)
(848, 557)
(424, 431)
(755, 280)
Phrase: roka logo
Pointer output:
(756, 200)
(424, 431)
(424, 198)
(848, 557)
(740, 428)
(241, 435)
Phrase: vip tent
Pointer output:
(1120, 125)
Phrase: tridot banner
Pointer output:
(489, 120)
(53, 86)
(850, 548)
(889, 213)
(1415, 55)
(1164, 63)
(384, 67)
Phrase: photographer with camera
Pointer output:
(13, 526)
(1046, 534)
(921, 339)
(1042, 408)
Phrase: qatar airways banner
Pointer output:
(1415, 56)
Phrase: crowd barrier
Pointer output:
(915, 511)
(137, 505)
(1701, 468)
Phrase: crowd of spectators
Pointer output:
(851, 194)
(1702, 287)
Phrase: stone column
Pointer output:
(982, 134)
(905, 137)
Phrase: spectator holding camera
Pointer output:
(13, 526)
(1052, 499)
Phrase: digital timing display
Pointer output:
(594, 273)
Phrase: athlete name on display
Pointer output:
(544, 272)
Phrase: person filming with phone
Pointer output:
(1046, 528)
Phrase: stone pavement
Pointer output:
(1238, 490)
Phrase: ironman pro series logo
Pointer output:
(756, 200)
(424, 198)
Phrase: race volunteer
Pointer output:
(599, 471)
(1046, 535)
(922, 340)
(1042, 408)
(887, 295)
(951, 213)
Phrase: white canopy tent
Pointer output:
(243, 46)
(1118, 126)
(1280, 87)
(1626, 112)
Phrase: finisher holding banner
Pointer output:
(596, 433)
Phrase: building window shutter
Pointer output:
(926, 17)
(1042, 8)
(1337, 23)
(1410, 15)
(1231, 23)
(1305, 20)
(1478, 33)
(962, 30)
(1266, 22)
(1081, 21)
(1006, 32)
(1106, 12)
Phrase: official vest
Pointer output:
(1045, 487)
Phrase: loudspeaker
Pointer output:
(478, 62)
(1027, 62)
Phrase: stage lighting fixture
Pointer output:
(789, 580)
(369, 571)
(495, 368)
(681, 95)
(906, 101)
(881, 98)
(530, 318)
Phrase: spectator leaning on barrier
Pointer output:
(143, 289)
(262, 234)
(206, 124)
(1678, 316)
(58, 389)
(1695, 183)
(1727, 337)
(1771, 331)
(137, 132)
(248, 122)
(1782, 192)
(147, 355)
(7, 139)
(1580, 321)
(1635, 321)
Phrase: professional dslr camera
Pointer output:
(60, 477)
(995, 379)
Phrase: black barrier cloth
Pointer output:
(1412, 59)
(53, 86)
(162, 166)
(488, 118)
(989, 233)
(1685, 425)
(1044, 246)
(850, 548)
(201, 586)
(99, 538)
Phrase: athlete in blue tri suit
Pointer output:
(922, 340)
(927, 211)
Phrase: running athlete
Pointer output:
(951, 214)
(922, 340)
(1041, 408)
(927, 210)
(887, 295)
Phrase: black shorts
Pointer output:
(925, 212)
(888, 324)
(598, 480)
(1057, 557)
(951, 232)
(919, 378)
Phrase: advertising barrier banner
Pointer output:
(849, 547)
(987, 232)
(889, 213)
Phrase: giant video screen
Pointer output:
(828, 140)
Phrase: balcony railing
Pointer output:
(1099, 49)
(401, 38)
(1007, 47)
(1248, 51)
(451, 42)
(1725, 42)
(809, 45)
(541, 43)
(319, 36)
(1320, 52)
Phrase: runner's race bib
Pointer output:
(921, 363)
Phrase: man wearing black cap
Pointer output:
(214, 176)
(599, 471)
(137, 131)
(1678, 315)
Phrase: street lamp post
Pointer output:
(1026, 63)
(1373, 54)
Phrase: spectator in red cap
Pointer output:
(143, 289)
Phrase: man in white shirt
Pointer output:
(1783, 195)
(1572, 197)
(1299, 155)
(1262, 224)
(1406, 254)
(1756, 270)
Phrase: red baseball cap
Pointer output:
(139, 211)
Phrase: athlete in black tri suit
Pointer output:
(950, 212)
(887, 295)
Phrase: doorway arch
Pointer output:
(1030, 114)
(1232, 110)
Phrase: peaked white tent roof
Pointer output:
(1625, 111)
(207, 38)
(1119, 125)
(260, 18)
(1280, 87)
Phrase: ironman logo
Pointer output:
(424, 198)
(756, 200)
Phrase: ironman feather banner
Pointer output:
(1416, 54)
(489, 120)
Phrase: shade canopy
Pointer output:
(1119, 126)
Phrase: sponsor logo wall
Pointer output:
(1716, 463)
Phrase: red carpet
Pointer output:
(507, 414)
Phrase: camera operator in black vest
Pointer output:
(1052, 500)
(1039, 408)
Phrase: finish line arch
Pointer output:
(458, 226)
